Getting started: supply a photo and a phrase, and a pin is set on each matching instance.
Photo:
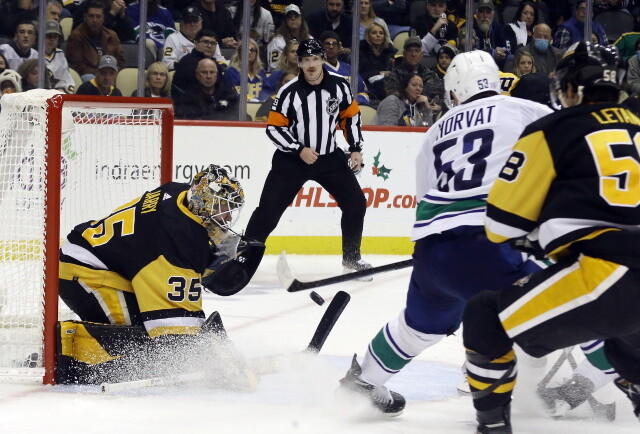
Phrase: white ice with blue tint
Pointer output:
(265, 319)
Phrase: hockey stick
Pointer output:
(600, 409)
(260, 365)
(292, 284)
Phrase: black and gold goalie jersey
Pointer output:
(575, 176)
(159, 248)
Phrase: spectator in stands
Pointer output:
(21, 48)
(262, 113)
(104, 82)
(572, 30)
(609, 5)
(210, 99)
(410, 65)
(433, 29)
(10, 82)
(3, 63)
(395, 13)
(367, 17)
(410, 108)
(293, 27)
(545, 56)
(434, 87)
(462, 40)
(54, 11)
(523, 63)
(489, 33)
(217, 18)
(156, 82)
(332, 18)
(90, 41)
(520, 30)
(179, 44)
(287, 64)
(28, 70)
(633, 71)
(376, 59)
(261, 22)
(160, 23)
(13, 12)
(114, 13)
(185, 75)
(55, 59)
(276, 9)
(330, 40)
(256, 75)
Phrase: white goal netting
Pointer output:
(110, 154)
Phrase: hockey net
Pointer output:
(64, 159)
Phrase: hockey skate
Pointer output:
(496, 421)
(559, 400)
(351, 266)
(388, 402)
(632, 391)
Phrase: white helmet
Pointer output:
(469, 74)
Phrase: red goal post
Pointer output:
(64, 159)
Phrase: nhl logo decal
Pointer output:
(332, 106)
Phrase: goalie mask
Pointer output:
(217, 199)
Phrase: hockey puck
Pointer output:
(316, 298)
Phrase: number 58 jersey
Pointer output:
(460, 158)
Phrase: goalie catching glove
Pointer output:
(232, 268)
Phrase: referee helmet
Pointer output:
(310, 47)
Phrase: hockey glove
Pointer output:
(227, 275)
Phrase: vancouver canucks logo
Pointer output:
(332, 106)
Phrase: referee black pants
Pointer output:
(289, 173)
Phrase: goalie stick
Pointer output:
(260, 365)
(292, 284)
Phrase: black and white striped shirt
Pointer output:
(306, 115)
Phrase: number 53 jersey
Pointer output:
(461, 157)
(575, 176)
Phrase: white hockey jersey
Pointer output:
(14, 60)
(462, 155)
(177, 45)
(59, 67)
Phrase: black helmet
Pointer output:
(588, 65)
(310, 47)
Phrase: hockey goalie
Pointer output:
(135, 279)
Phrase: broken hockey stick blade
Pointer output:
(292, 284)
(328, 320)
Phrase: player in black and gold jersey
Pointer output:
(572, 188)
(146, 263)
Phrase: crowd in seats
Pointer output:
(404, 45)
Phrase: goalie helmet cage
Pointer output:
(64, 159)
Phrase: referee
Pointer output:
(302, 124)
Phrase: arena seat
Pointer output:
(367, 114)
(398, 40)
(615, 23)
(127, 81)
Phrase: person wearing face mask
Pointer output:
(545, 56)
(633, 71)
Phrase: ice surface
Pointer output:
(264, 319)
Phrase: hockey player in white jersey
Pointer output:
(460, 158)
